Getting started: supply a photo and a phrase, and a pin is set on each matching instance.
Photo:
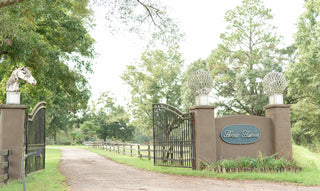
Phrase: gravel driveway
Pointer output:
(87, 171)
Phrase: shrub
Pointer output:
(260, 163)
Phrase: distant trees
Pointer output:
(155, 78)
(303, 77)
(109, 121)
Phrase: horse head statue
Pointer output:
(22, 73)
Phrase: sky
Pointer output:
(202, 21)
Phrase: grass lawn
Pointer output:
(310, 162)
(50, 179)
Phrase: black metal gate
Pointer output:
(172, 137)
(35, 137)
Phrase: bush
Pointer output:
(261, 163)
(65, 143)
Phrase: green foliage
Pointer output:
(305, 121)
(303, 77)
(306, 158)
(246, 54)
(89, 130)
(50, 38)
(140, 138)
(155, 78)
(261, 162)
(112, 120)
(76, 136)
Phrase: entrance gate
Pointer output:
(35, 137)
(172, 137)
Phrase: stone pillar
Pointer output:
(12, 136)
(280, 115)
(204, 134)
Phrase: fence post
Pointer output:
(6, 170)
(181, 152)
(149, 156)
(130, 149)
(124, 148)
(118, 151)
(139, 155)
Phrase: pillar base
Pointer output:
(204, 134)
(280, 115)
(12, 136)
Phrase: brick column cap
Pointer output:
(202, 107)
(13, 106)
(277, 106)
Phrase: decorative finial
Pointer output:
(200, 82)
(274, 83)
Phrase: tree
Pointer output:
(247, 53)
(155, 78)
(51, 39)
(112, 120)
(89, 130)
(4, 3)
(143, 17)
(303, 77)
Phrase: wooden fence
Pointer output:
(4, 166)
(137, 150)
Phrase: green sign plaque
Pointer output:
(240, 134)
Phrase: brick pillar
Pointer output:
(280, 115)
(12, 136)
(204, 134)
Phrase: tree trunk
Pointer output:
(55, 137)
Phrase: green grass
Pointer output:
(50, 179)
(310, 175)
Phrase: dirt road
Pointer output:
(87, 171)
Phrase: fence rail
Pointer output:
(4, 165)
(137, 150)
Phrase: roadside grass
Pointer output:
(50, 179)
(310, 174)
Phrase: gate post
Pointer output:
(12, 135)
(204, 134)
(280, 115)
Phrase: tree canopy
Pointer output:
(303, 77)
(4, 3)
(51, 39)
(147, 18)
(155, 78)
(112, 120)
(248, 51)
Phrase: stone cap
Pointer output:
(277, 106)
(202, 107)
(13, 106)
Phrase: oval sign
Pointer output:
(240, 134)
